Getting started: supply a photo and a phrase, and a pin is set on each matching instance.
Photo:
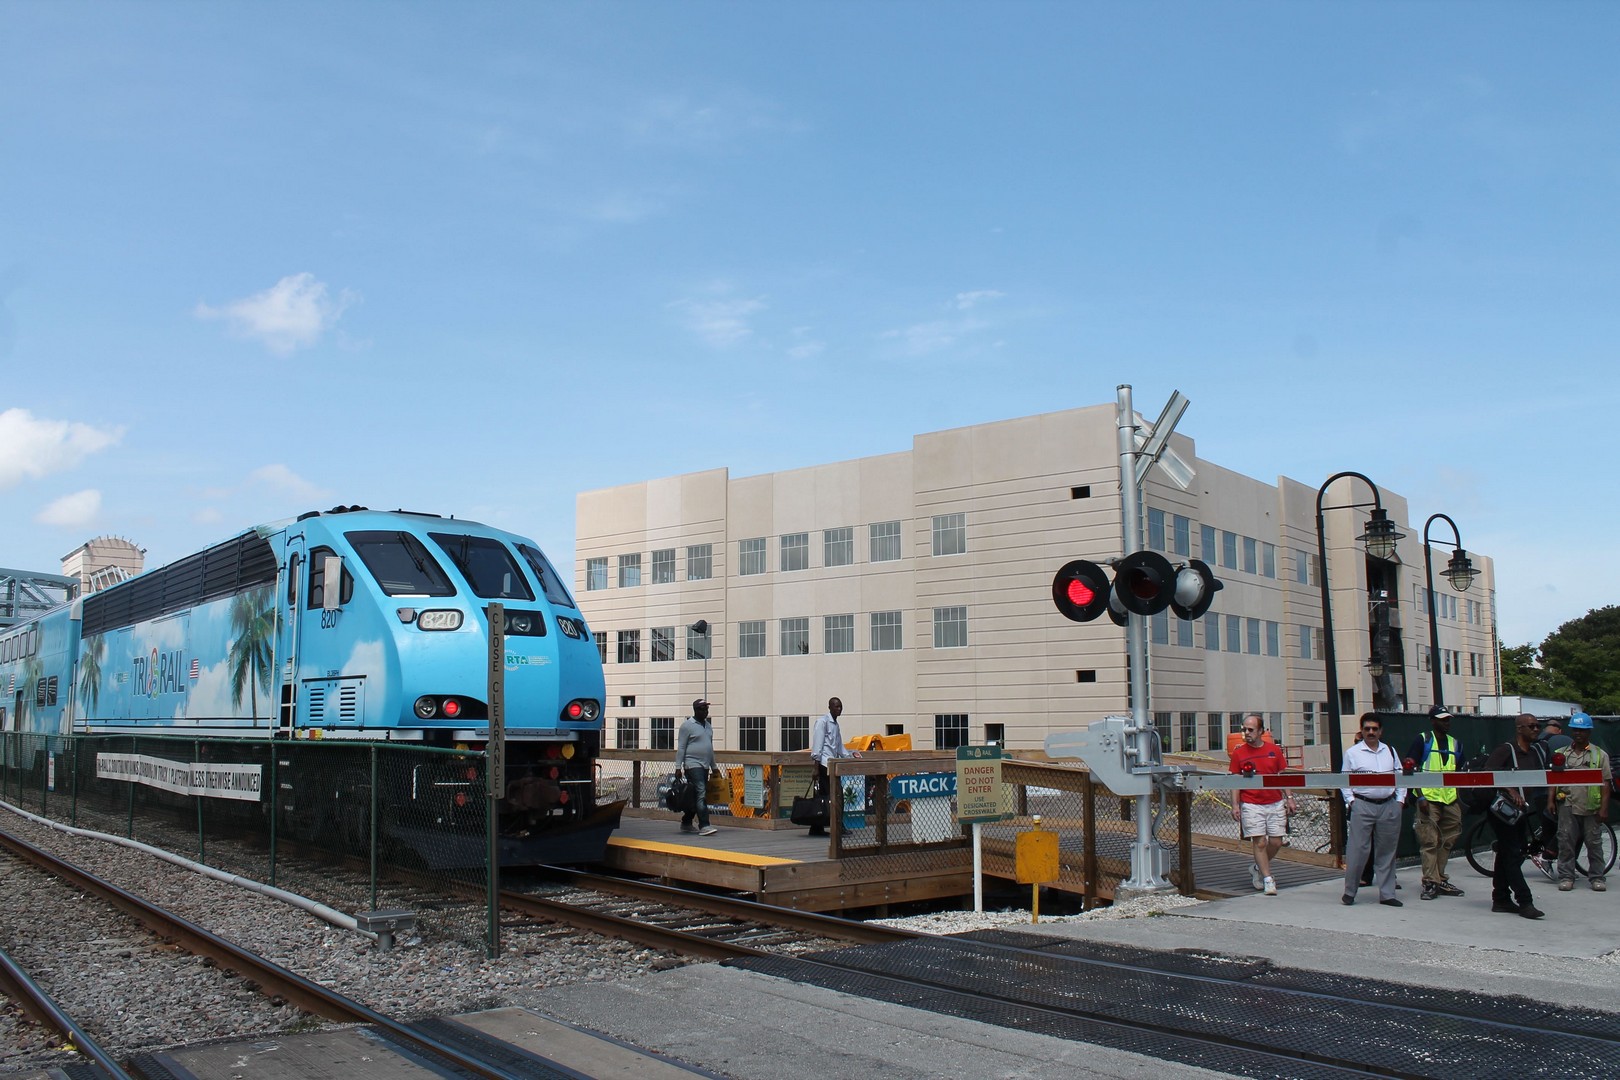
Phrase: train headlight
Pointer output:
(427, 707)
(520, 622)
(439, 619)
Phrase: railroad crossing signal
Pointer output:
(1145, 583)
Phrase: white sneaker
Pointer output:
(1271, 887)
(707, 830)
(1254, 877)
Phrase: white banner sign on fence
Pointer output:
(209, 779)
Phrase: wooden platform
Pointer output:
(790, 868)
(785, 867)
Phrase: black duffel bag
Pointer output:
(810, 810)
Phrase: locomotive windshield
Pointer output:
(401, 565)
(486, 564)
(549, 581)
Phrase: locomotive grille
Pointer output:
(334, 702)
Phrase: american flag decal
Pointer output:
(195, 671)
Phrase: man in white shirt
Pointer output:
(1374, 814)
(827, 744)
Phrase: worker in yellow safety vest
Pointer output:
(1439, 814)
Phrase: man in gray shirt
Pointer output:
(694, 756)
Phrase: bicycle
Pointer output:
(1479, 844)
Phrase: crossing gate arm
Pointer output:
(1192, 781)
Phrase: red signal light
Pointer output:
(1080, 590)
(575, 710)
(451, 708)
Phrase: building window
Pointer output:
(629, 728)
(1251, 551)
(1184, 633)
(600, 637)
(1275, 721)
(1316, 569)
(1234, 721)
(699, 562)
(751, 734)
(663, 644)
(1268, 560)
(795, 733)
(595, 574)
(1217, 738)
(1302, 563)
(663, 733)
(1212, 631)
(838, 634)
(1181, 535)
(699, 646)
(885, 631)
(629, 646)
(795, 637)
(1234, 633)
(1161, 728)
(885, 541)
(751, 556)
(995, 734)
(1159, 625)
(796, 551)
(1307, 729)
(1305, 643)
(751, 638)
(838, 547)
(1273, 638)
(1187, 733)
(663, 566)
(1229, 550)
(1155, 530)
(1252, 627)
(629, 571)
(950, 534)
(1206, 544)
(950, 730)
(950, 627)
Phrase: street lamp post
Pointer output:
(1380, 539)
(1460, 571)
(701, 629)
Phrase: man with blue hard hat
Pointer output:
(1581, 809)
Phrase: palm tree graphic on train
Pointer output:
(27, 686)
(95, 650)
(253, 624)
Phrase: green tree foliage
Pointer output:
(1522, 674)
(1584, 656)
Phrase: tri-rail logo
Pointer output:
(517, 660)
(159, 673)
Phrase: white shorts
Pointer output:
(1264, 819)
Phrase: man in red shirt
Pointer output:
(1262, 815)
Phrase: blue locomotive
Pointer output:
(342, 627)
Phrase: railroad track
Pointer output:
(276, 983)
(689, 922)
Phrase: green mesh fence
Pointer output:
(356, 826)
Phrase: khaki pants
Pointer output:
(1437, 826)
(1575, 830)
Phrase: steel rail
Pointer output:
(618, 926)
(47, 1013)
(734, 907)
(271, 979)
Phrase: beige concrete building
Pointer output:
(916, 586)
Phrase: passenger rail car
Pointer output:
(345, 625)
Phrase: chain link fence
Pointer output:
(357, 826)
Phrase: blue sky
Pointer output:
(473, 258)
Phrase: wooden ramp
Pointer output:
(785, 867)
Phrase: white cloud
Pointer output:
(281, 478)
(291, 314)
(967, 300)
(30, 448)
(928, 337)
(722, 321)
(72, 511)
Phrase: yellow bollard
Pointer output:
(1035, 862)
